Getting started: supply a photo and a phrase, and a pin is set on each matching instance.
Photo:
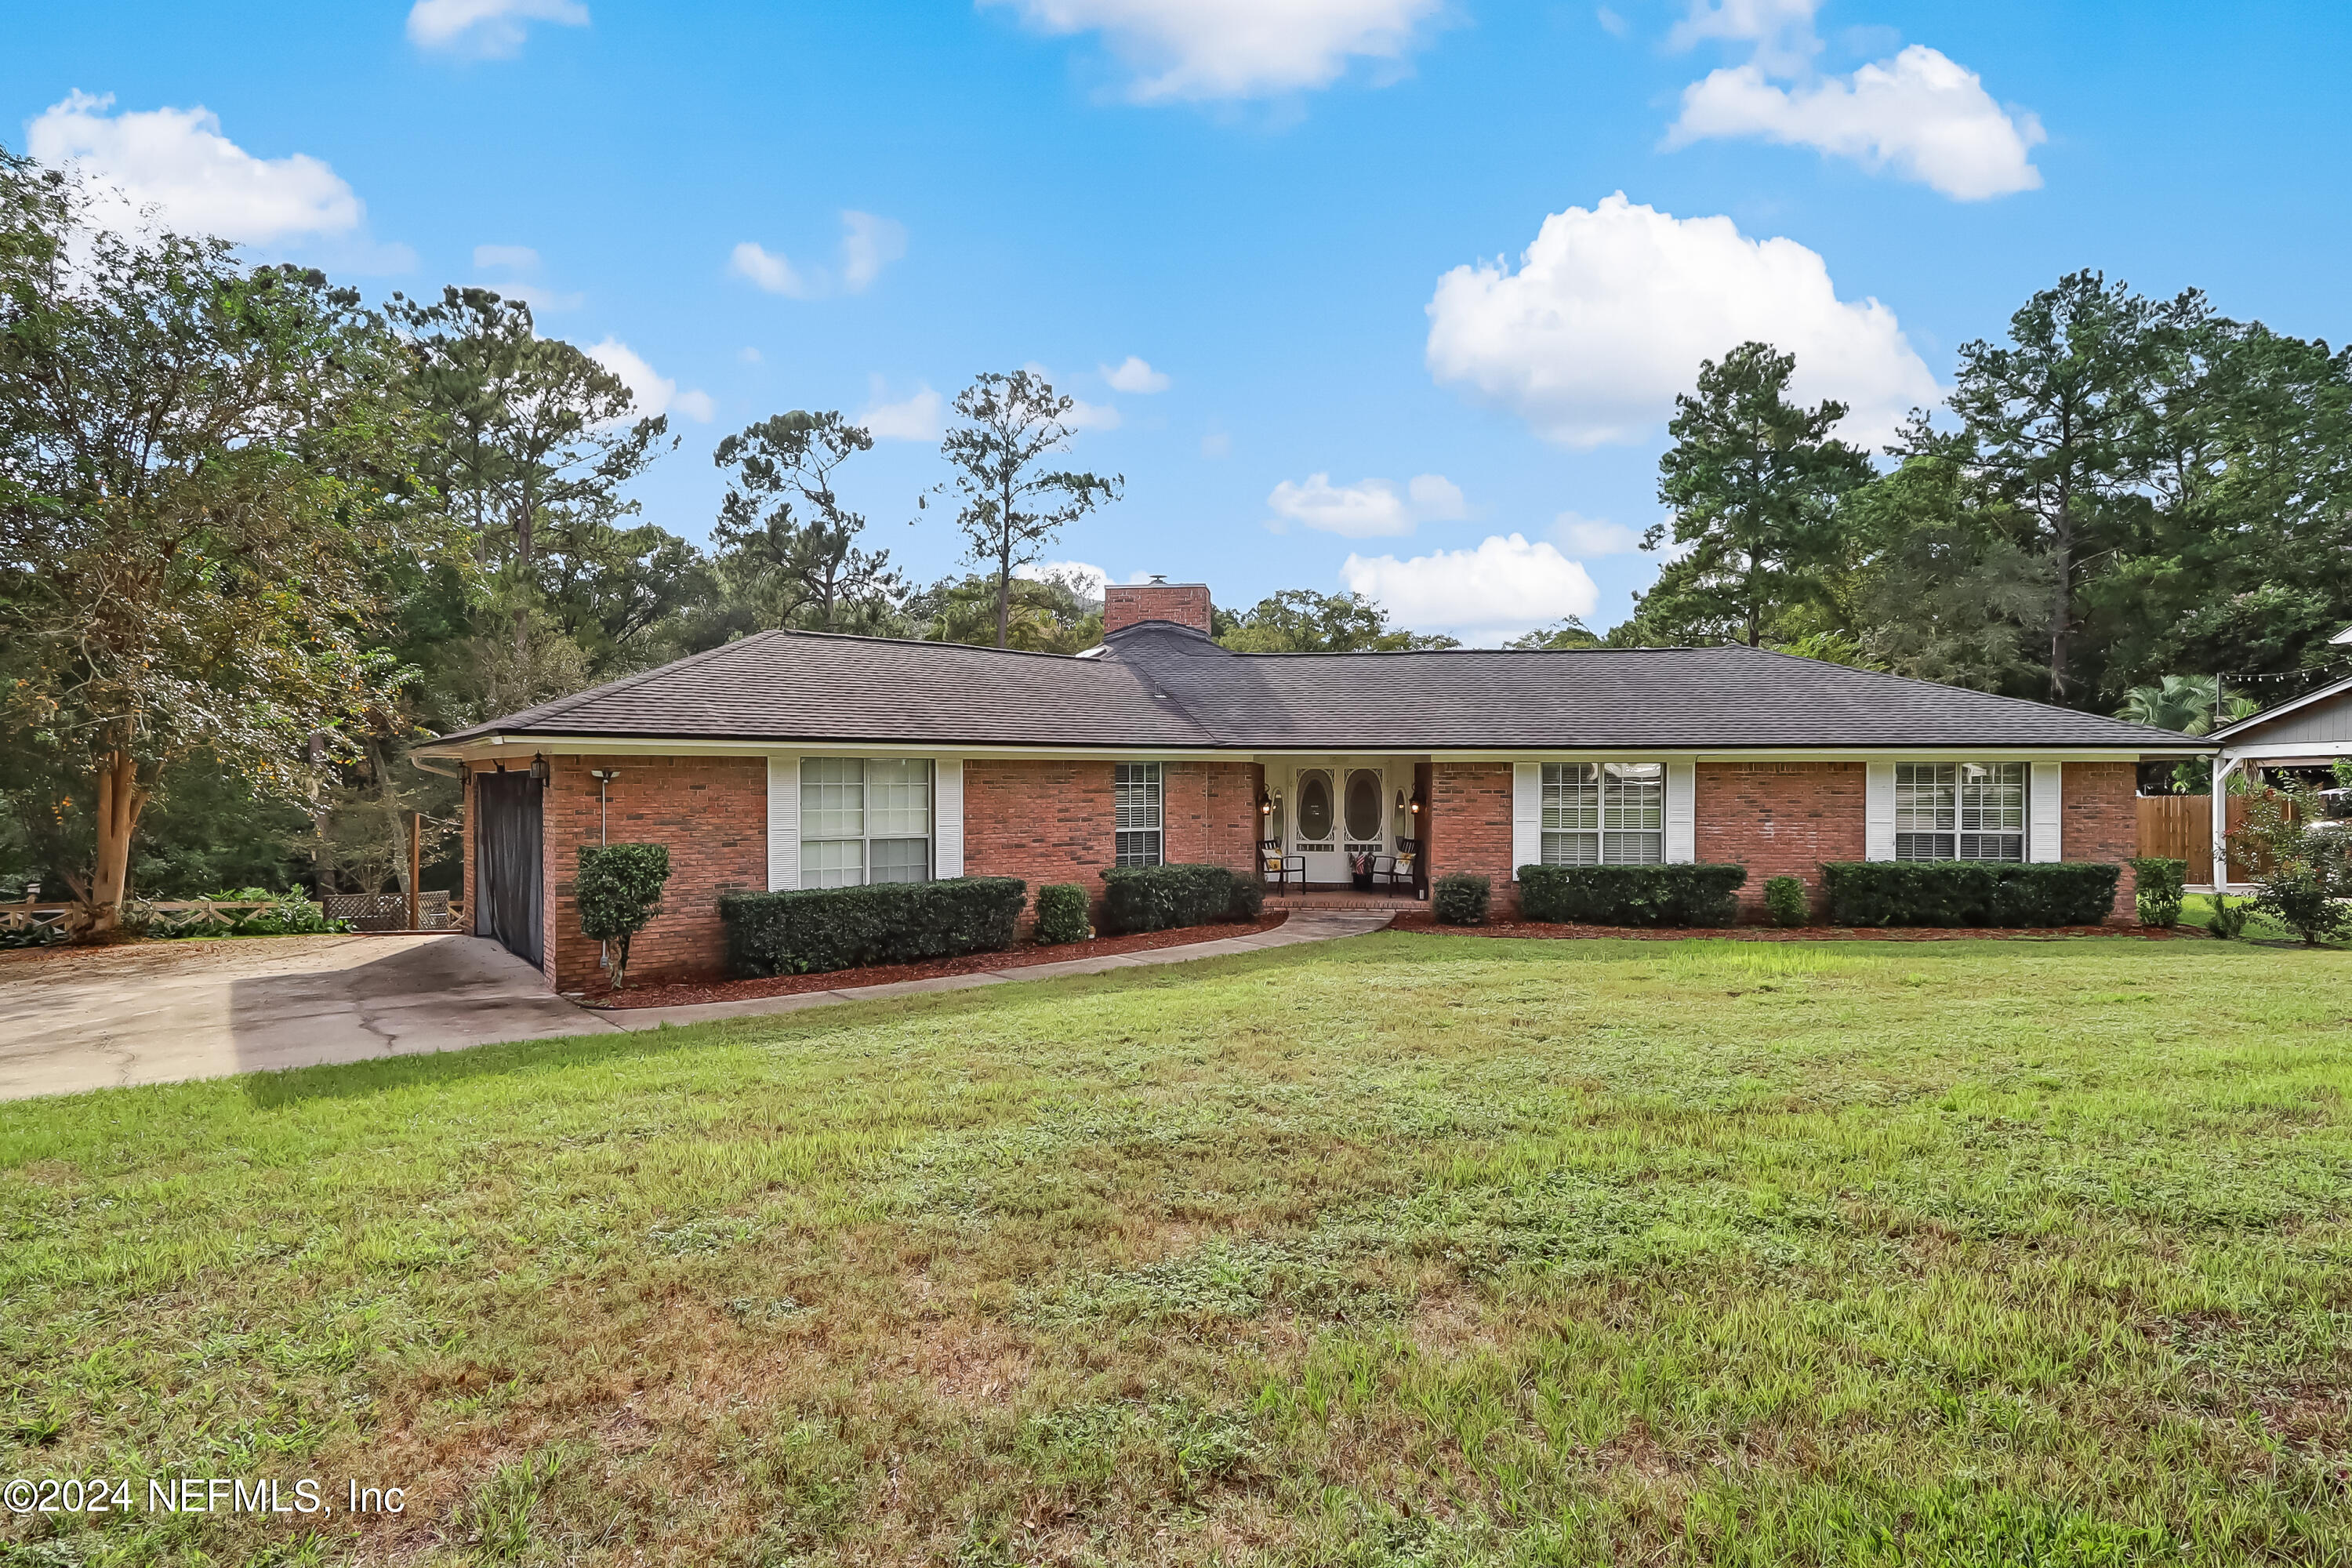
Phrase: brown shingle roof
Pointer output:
(1162, 687)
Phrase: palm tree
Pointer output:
(2183, 702)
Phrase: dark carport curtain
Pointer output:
(506, 862)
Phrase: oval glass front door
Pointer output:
(1363, 806)
(1314, 808)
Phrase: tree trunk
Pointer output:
(120, 800)
(2062, 597)
(1003, 591)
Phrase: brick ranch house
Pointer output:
(797, 760)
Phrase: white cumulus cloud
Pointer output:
(1182, 50)
(1085, 415)
(491, 28)
(1368, 509)
(1611, 309)
(652, 394)
(1590, 536)
(177, 163)
(915, 418)
(770, 271)
(1781, 30)
(868, 244)
(1083, 575)
(1919, 114)
(521, 258)
(1505, 586)
(1133, 374)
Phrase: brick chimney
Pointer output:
(1129, 604)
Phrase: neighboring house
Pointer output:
(794, 760)
(2312, 731)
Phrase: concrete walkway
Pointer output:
(1298, 928)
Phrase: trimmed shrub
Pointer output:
(823, 929)
(1161, 897)
(1062, 913)
(1785, 902)
(2303, 899)
(1249, 898)
(619, 891)
(2159, 881)
(1460, 898)
(1969, 892)
(1632, 894)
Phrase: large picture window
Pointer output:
(864, 819)
(1604, 813)
(1959, 811)
(1135, 811)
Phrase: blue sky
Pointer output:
(1310, 221)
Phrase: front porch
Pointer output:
(1300, 899)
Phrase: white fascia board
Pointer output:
(493, 748)
(1818, 754)
(2254, 721)
(2276, 749)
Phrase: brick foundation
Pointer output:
(1780, 819)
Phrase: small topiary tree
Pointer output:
(2159, 881)
(1786, 902)
(1460, 898)
(619, 891)
(1062, 913)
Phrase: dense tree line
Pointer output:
(2123, 503)
(258, 537)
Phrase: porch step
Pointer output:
(1391, 903)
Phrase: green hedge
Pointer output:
(1632, 894)
(1460, 899)
(1062, 913)
(2161, 882)
(1162, 898)
(1969, 893)
(883, 922)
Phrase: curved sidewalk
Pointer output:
(1298, 928)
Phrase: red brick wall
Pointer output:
(712, 812)
(1780, 819)
(2100, 810)
(1209, 810)
(1041, 822)
(1186, 604)
(1469, 827)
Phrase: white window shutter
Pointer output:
(947, 818)
(1682, 814)
(1526, 816)
(1878, 811)
(2043, 816)
(783, 823)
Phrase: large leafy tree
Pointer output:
(2066, 421)
(784, 533)
(204, 471)
(1299, 620)
(1010, 502)
(1753, 480)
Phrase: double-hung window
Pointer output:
(1136, 814)
(864, 819)
(1959, 811)
(1604, 813)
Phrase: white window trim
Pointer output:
(1959, 831)
(1158, 781)
(866, 837)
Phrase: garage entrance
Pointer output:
(507, 863)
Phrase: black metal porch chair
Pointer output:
(1276, 867)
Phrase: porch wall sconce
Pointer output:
(1403, 805)
(1266, 805)
(539, 768)
(1416, 805)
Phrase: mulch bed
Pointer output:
(686, 992)
(1424, 922)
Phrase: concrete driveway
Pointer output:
(160, 1012)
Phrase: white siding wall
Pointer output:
(1878, 811)
(2044, 815)
(947, 818)
(783, 823)
(1526, 816)
(1682, 813)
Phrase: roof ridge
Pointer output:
(1996, 695)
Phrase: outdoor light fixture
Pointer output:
(603, 777)
(1416, 805)
(1266, 805)
(539, 768)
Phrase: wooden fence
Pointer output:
(365, 911)
(2180, 827)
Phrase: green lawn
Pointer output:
(1406, 1249)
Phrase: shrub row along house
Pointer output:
(790, 760)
